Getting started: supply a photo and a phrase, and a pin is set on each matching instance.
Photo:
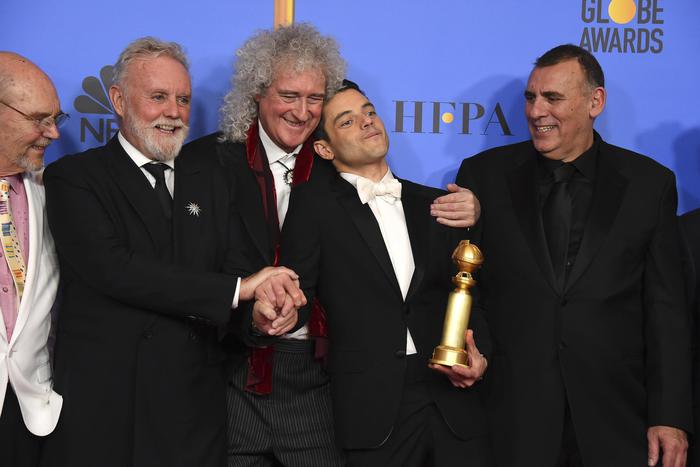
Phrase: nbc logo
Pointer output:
(645, 35)
(96, 101)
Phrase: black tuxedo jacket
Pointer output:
(614, 342)
(256, 247)
(136, 359)
(334, 243)
(690, 228)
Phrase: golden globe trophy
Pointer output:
(451, 351)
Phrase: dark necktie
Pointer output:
(556, 219)
(161, 189)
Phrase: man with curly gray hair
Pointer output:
(297, 50)
(281, 81)
(278, 396)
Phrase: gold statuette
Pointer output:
(451, 351)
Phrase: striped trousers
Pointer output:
(292, 426)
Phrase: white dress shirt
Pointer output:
(392, 223)
(280, 163)
(140, 160)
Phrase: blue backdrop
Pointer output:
(447, 76)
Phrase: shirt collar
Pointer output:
(585, 164)
(272, 151)
(137, 156)
(14, 180)
(352, 178)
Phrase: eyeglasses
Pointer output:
(46, 122)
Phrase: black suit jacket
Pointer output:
(334, 243)
(690, 228)
(136, 360)
(614, 342)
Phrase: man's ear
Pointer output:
(116, 95)
(323, 149)
(598, 96)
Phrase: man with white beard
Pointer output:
(143, 254)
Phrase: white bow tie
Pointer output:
(389, 191)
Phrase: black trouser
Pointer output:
(18, 446)
(569, 456)
(420, 436)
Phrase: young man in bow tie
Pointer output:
(366, 245)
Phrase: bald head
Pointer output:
(20, 78)
(27, 95)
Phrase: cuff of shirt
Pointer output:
(234, 305)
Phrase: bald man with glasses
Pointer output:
(30, 115)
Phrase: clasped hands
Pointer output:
(277, 299)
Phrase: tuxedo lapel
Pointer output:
(608, 193)
(523, 194)
(139, 193)
(417, 223)
(250, 207)
(361, 215)
(192, 204)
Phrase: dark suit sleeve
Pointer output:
(237, 263)
(667, 337)
(465, 179)
(89, 244)
(691, 254)
(689, 263)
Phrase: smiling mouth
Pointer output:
(41, 146)
(373, 134)
(294, 124)
(544, 128)
(168, 129)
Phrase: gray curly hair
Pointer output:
(146, 47)
(299, 46)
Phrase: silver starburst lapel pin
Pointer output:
(193, 209)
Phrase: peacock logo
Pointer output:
(100, 124)
(95, 100)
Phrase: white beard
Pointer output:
(160, 146)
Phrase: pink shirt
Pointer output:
(20, 217)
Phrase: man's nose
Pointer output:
(50, 131)
(535, 108)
